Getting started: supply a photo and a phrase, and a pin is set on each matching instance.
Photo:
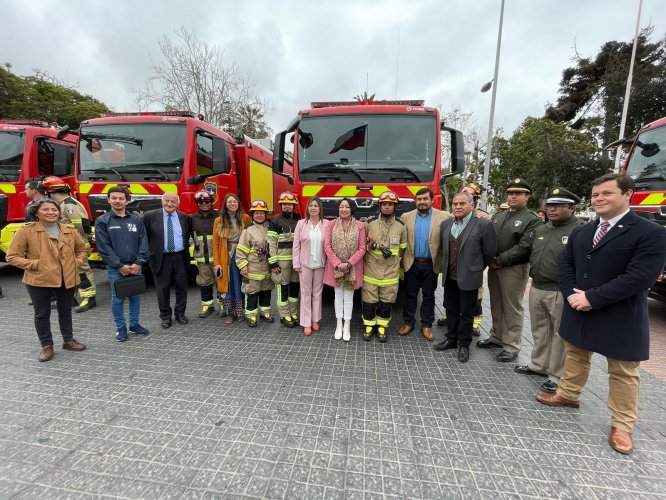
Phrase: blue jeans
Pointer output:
(117, 308)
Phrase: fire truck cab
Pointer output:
(361, 149)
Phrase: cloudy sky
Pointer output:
(300, 51)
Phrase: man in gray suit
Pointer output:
(468, 245)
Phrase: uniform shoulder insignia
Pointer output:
(398, 219)
(69, 201)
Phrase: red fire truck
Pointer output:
(361, 149)
(29, 150)
(646, 164)
(152, 153)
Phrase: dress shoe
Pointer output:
(46, 353)
(182, 319)
(549, 386)
(621, 441)
(73, 345)
(463, 354)
(526, 370)
(166, 323)
(405, 329)
(228, 319)
(446, 345)
(426, 331)
(315, 327)
(506, 356)
(307, 331)
(556, 400)
(487, 344)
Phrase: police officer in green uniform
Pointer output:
(508, 271)
(545, 299)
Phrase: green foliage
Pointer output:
(34, 97)
(547, 154)
(364, 97)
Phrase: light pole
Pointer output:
(486, 87)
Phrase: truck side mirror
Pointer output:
(457, 150)
(62, 132)
(278, 152)
(221, 156)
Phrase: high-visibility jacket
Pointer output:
(377, 269)
(202, 235)
(281, 238)
(252, 251)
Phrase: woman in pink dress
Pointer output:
(345, 246)
(309, 260)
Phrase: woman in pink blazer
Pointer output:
(345, 246)
(309, 260)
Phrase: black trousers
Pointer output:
(420, 277)
(173, 271)
(206, 293)
(259, 299)
(41, 302)
(460, 306)
(378, 309)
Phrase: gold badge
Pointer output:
(516, 181)
(555, 191)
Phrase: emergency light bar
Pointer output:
(327, 104)
(34, 123)
(185, 114)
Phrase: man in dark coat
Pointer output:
(605, 271)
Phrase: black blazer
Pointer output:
(477, 249)
(615, 276)
(154, 222)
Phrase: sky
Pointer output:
(441, 51)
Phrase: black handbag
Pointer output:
(127, 286)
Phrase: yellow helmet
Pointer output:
(287, 197)
(258, 206)
(388, 197)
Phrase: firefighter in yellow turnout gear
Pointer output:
(386, 240)
(252, 261)
(72, 212)
(280, 243)
(202, 235)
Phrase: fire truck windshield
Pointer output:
(349, 148)
(11, 155)
(132, 152)
(648, 160)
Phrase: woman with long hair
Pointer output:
(309, 259)
(50, 253)
(344, 244)
(226, 233)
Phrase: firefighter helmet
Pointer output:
(203, 196)
(287, 197)
(388, 197)
(53, 184)
(472, 189)
(258, 206)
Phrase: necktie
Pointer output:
(603, 229)
(171, 244)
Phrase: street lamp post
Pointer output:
(491, 84)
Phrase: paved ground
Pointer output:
(210, 411)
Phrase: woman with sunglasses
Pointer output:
(309, 259)
(50, 253)
(227, 229)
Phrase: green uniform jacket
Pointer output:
(547, 246)
(514, 230)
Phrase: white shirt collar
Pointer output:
(614, 220)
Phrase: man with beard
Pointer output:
(280, 237)
(386, 240)
(202, 235)
(508, 274)
(545, 299)
(422, 261)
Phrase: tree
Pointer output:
(548, 154)
(37, 98)
(192, 76)
(593, 89)
(364, 97)
(249, 121)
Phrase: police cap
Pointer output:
(561, 195)
(518, 185)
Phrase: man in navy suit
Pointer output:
(169, 236)
(468, 244)
(605, 272)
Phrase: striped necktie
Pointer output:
(171, 243)
(603, 229)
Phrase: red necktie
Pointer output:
(603, 229)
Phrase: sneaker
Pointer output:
(86, 304)
(121, 335)
(138, 330)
